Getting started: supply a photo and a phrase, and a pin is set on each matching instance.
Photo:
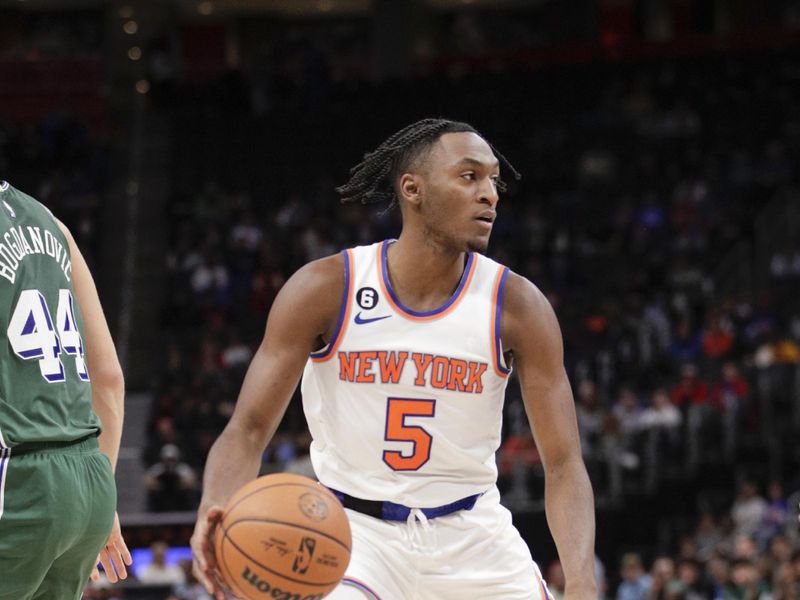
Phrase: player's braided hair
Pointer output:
(372, 180)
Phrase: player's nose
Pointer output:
(488, 193)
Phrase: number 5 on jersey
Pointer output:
(397, 410)
(33, 337)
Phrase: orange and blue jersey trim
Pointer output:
(352, 581)
(497, 311)
(428, 315)
(344, 312)
(545, 592)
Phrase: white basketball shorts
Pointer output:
(470, 554)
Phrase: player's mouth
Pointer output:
(486, 219)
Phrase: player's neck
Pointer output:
(423, 274)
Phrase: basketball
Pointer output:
(283, 536)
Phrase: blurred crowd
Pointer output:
(58, 161)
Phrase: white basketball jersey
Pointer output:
(407, 406)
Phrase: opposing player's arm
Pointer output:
(108, 395)
(302, 318)
(105, 372)
(530, 331)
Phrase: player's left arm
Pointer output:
(108, 393)
(530, 331)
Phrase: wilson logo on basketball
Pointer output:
(262, 585)
(304, 555)
(313, 506)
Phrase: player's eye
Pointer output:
(470, 176)
(495, 179)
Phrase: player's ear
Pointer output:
(409, 188)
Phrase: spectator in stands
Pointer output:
(718, 574)
(662, 573)
(748, 510)
(796, 572)
(660, 423)
(686, 345)
(717, 337)
(730, 396)
(707, 536)
(171, 484)
(691, 396)
(300, 463)
(745, 583)
(189, 588)
(690, 390)
(629, 415)
(744, 546)
(690, 575)
(164, 432)
(236, 354)
(784, 586)
(635, 582)
(776, 516)
(661, 415)
(158, 571)
(516, 459)
(590, 419)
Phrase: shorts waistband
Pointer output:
(81, 445)
(389, 511)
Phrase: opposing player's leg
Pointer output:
(87, 499)
(27, 541)
(90, 484)
(378, 569)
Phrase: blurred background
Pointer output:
(192, 146)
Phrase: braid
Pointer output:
(372, 180)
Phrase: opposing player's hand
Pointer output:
(114, 556)
(204, 564)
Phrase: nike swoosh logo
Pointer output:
(361, 321)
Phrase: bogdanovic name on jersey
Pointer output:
(440, 372)
(18, 242)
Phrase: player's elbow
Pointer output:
(565, 466)
(109, 378)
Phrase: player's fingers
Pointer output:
(108, 566)
(119, 564)
(200, 573)
(95, 576)
(213, 516)
(124, 552)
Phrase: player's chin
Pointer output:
(479, 244)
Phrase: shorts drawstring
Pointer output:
(421, 534)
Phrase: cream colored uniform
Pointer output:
(405, 407)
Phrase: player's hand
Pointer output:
(114, 555)
(204, 563)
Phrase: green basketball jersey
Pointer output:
(45, 394)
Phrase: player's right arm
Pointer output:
(301, 320)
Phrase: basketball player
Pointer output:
(405, 348)
(57, 491)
